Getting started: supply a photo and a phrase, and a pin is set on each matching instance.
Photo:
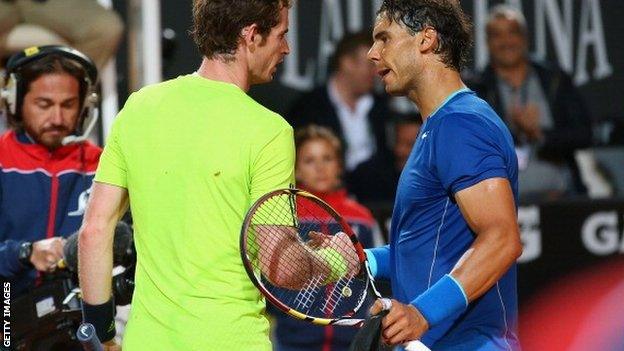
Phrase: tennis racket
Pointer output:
(88, 338)
(306, 260)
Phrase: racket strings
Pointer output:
(296, 248)
(303, 258)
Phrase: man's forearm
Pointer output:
(95, 264)
(485, 262)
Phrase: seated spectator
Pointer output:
(318, 170)
(83, 24)
(540, 105)
(348, 106)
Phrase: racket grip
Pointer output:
(415, 346)
(88, 338)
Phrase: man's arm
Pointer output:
(107, 204)
(488, 208)
(288, 263)
(95, 258)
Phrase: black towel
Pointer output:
(368, 338)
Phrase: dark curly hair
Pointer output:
(446, 16)
(217, 23)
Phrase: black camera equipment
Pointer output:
(47, 317)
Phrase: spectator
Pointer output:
(84, 24)
(348, 106)
(57, 83)
(318, 170)
(46, 172)
(406, 130)
(377, 179)
(539, 104)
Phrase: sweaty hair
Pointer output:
(446, 16)
(50, 64)
(348, 45)
(315, 132)
(217, 24)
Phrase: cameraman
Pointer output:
(46, 165)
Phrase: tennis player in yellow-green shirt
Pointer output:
(191, 155)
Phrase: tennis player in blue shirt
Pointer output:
(454, 235)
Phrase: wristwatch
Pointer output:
(24, 253)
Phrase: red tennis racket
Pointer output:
(306, 260)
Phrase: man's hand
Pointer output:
(402, 324)
(46, 253)
(343, 245)
(111, 346)
(526, 118)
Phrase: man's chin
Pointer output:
(395, 91)
(262, 80)
(51, 143)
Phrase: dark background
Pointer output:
(603, 94)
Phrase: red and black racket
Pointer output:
(306, 260)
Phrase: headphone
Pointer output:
(12, 94)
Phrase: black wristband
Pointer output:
(24, 252)
(102, 318)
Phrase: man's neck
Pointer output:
(514, 75)
(233, 71)
(344, 90)
(434, 89)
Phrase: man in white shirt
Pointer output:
(348, 105)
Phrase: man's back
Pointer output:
(191, 176)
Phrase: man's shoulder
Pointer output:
(468, 105)
(7, 138)
(469, 112)
(158, 90)
(92, 151)
(8, 147)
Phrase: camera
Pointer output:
(47, 316)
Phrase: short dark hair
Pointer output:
(446, 16)
(217, 23)
(50, 64)
(348, 45)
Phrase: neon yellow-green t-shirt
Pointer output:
(194, 154)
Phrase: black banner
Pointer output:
(560, 238)
(585, 37)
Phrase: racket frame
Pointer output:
(345, 320)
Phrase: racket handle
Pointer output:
(88, 338)
(415, 346)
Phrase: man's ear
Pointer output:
(250, 36)
(430, 40)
